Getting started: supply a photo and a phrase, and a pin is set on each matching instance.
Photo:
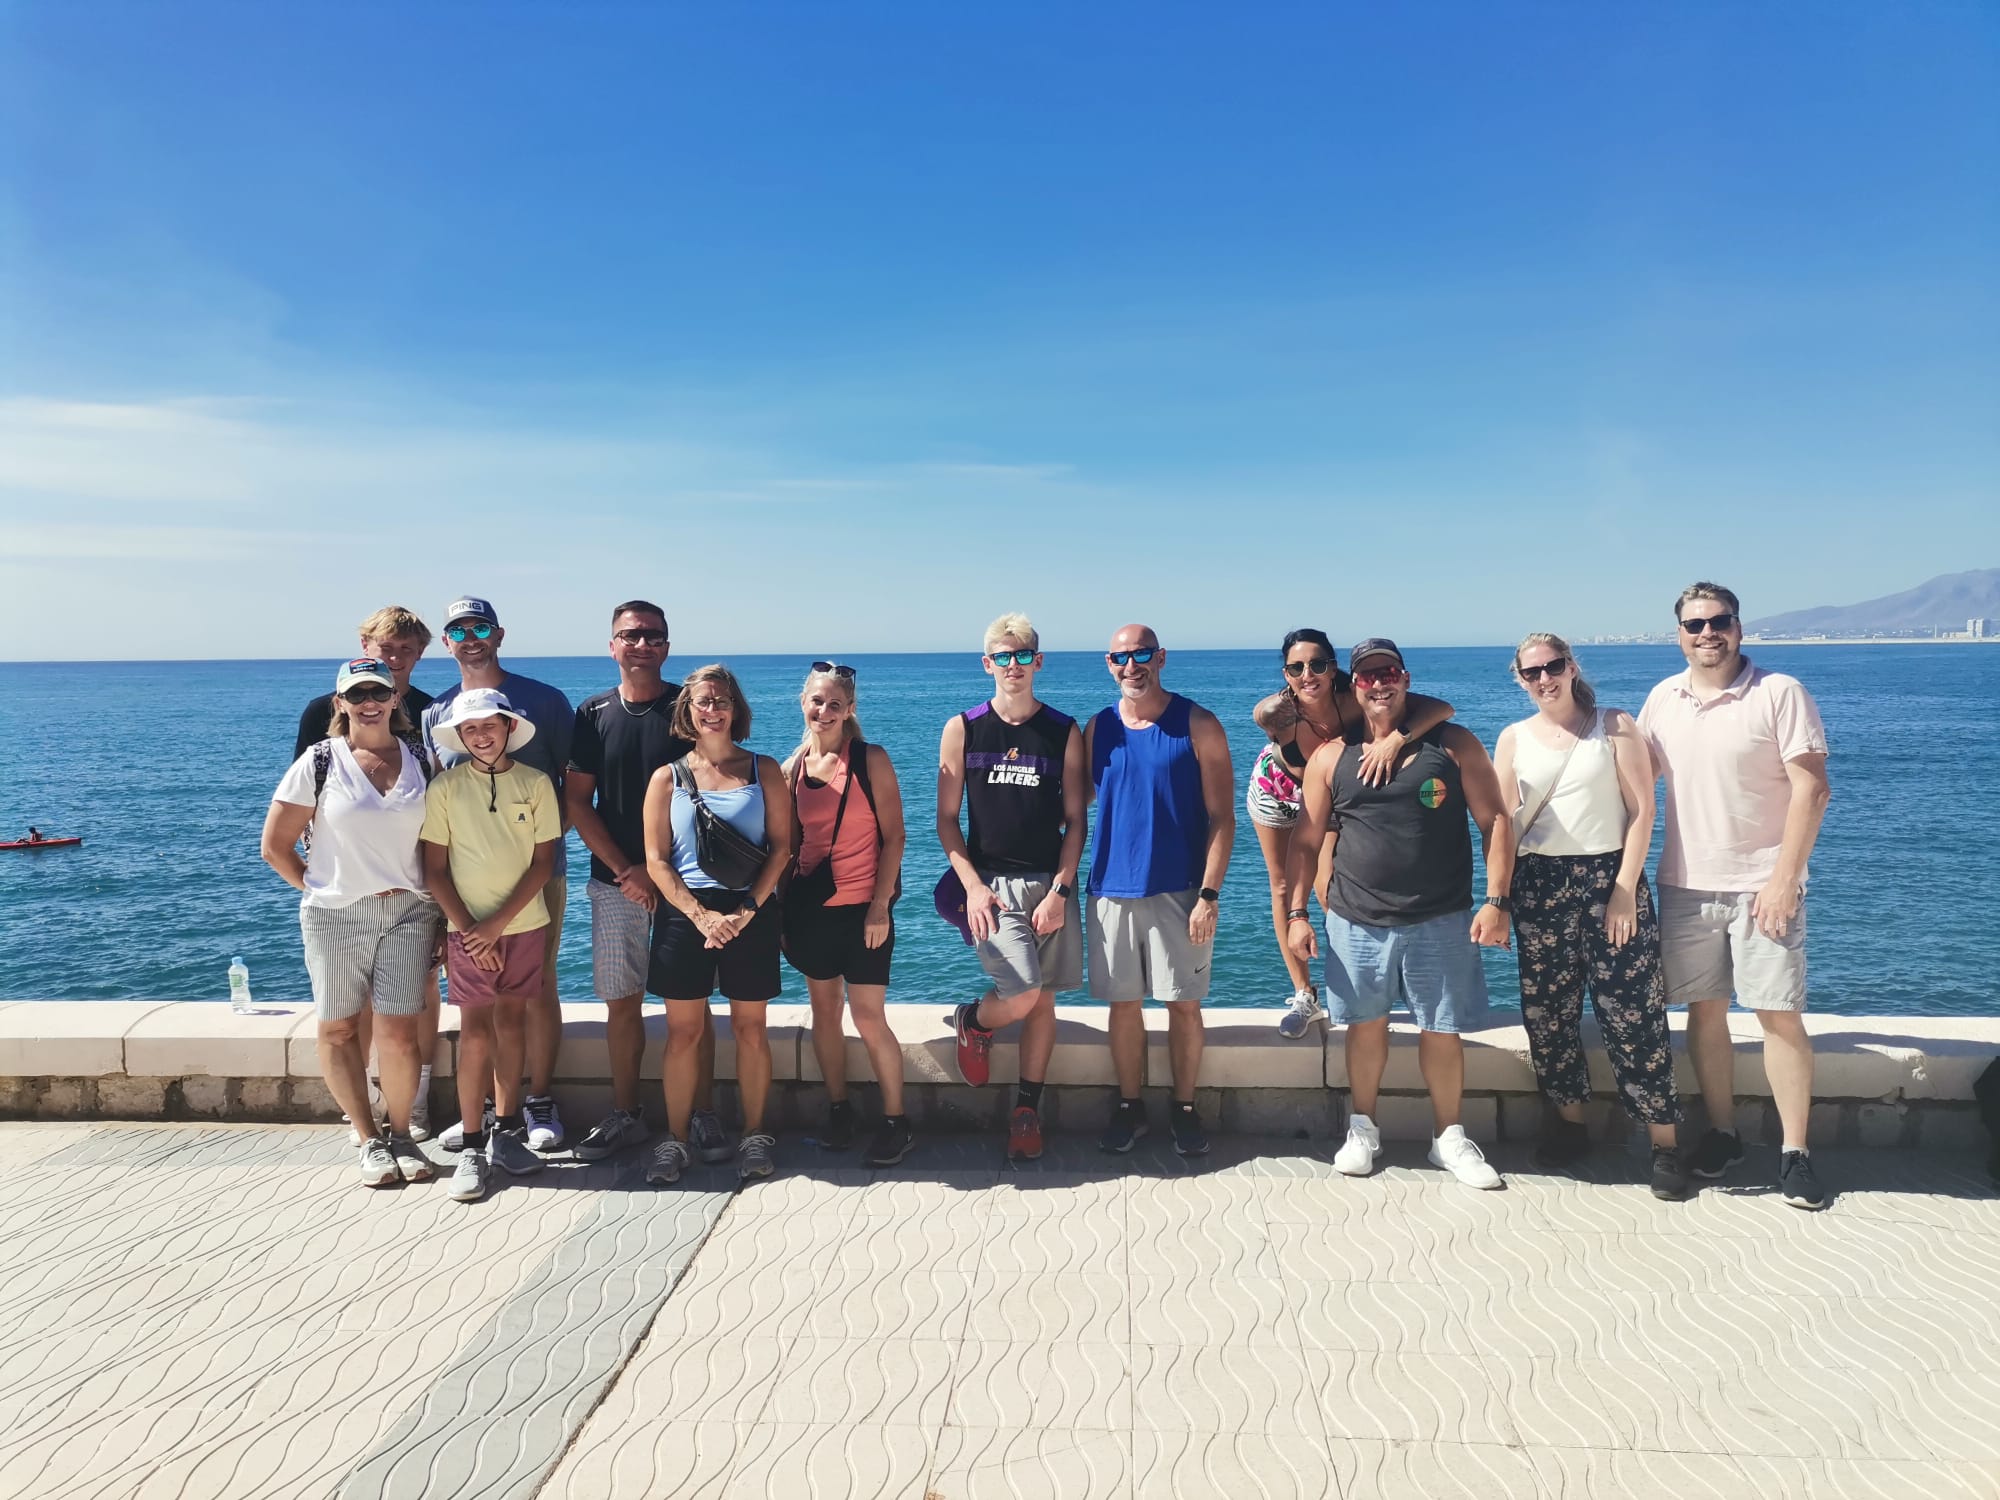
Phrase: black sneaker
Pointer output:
(890, 1143)
(1563, 1144)
(839, 1132)
(1189, 1138)
(1670, 1176)
(1797, 1181)
(1128, 1123)
(1718, 1152)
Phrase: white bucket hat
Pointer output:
(480, 703)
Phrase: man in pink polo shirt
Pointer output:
(1744, 755)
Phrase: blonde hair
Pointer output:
(850, 730)
(1016, 624)
(739, 706)
(392, 622)
(1583, 692)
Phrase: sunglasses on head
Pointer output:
(1012, 658)
(1554, 667)
(1720, 624)
(373, 694)
(1319, 666)
(1379, 677)
(837, 668)
(640, 637)
(456, 634)
(1143, 655)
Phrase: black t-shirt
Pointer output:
(1405, 849)
(1014, 790)
(622, 747)
(319, 713)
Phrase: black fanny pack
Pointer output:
(725, 856)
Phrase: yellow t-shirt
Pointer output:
(491, 849)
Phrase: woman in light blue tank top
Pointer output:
(706, 935)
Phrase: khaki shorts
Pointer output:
(1017, 958)
(1711, 949)
(1139, 947)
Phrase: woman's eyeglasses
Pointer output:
(641, 637)
(1554, 667)
(837, 668)
(1143, 655)
(376, 694)
(1319, 666)
(456, 634)
(1013, 658)
(1720, 624)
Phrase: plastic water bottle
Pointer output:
(239, 987)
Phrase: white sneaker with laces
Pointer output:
(1459, 1155)
(1305, 1010)
(1362, 1148)
(545, 1127)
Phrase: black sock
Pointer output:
(895, 1119)
(1131, 1104)
(509, 1122)
(475, 1140)
(1030, 1094)
(1184, 1106)
(969, 1014)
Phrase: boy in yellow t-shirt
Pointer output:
(491, 828)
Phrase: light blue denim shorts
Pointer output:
(1431, 968)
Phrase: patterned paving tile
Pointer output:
(1399, 1397)
(1058, 1385)
(1240, 1465)
(986, 1463)
(1592, 1473)
(792, 1459)
(1436, 1471)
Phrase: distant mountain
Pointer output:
(1948, 601)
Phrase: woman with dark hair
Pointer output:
(718, 827)
(1314, 706)
(1580, 781)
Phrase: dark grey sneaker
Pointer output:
(1189, 1138)
(890, 1143)
(610, 1135)
(1718, 1152)
(1128, 1124)
(670, 1159)
(1670, 1174)
(706, 1135)
(753, 1156)
(838, 1134)
(1798, 1182)
(1563, 1144)
(511, 1155)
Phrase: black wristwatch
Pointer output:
(748, 903)
(1062, 890)
(1208, 893)
(1298, 914)
(1504, 903)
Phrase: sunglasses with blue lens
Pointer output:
(1143, 655)
(456, 634)
(1013, 658)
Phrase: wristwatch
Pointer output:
(1062, 890)
(749, 903)
(1504, 903)
(1208, 893)
(1298, 914)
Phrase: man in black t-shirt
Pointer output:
(395, 637)
(621, 738)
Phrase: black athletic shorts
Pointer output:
(682, 967)
(827, 942)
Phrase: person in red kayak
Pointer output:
(34, 834)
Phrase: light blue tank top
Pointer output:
(742, 809)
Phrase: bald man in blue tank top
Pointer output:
(1166, 817)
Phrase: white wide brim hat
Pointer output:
(480, 703)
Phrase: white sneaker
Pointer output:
(1305, 1010)
(1358, 1153)
(545, 1127)
(420, 1116)
(1457, 1153)
(453, 1138)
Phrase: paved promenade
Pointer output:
(202, 1310)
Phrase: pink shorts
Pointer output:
(520, 973)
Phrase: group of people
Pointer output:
(433, 831)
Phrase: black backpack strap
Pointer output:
(857, 771)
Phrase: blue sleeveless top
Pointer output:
(1152, 825)
(742, 808)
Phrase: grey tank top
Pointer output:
(1404, 854)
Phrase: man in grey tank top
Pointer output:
(1396, 905)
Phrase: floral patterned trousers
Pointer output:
(1559, 905)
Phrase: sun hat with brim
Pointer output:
(480, 703)
(363, 669)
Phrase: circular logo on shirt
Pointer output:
(1432, 792)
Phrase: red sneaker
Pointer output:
(973, 1045)
(1024, 1134)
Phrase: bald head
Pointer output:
(1133, 637)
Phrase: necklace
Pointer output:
(640, 713)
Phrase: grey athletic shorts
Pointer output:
(376, 950)
(1710, 949)
(621, 942)
(1139, 947)
(1017, 958)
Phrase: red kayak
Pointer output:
(41, 843)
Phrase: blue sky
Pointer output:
(846, 327)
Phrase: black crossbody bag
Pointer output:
(725, 856)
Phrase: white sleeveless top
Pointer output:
(1586, 815)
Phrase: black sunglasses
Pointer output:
(375, 694)
(838, 669)
(1555, 667)
(641, 637)
(1319, 666)
(1718, 623)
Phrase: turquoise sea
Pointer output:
(167, 768)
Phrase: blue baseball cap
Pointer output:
(470, 608)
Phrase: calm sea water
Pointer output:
(167, 770)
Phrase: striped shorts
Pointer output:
(621, 942)
(377, 949)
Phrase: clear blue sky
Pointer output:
(848, 326)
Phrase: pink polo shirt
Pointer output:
(1724, 760)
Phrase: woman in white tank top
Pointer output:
(1580, 782)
